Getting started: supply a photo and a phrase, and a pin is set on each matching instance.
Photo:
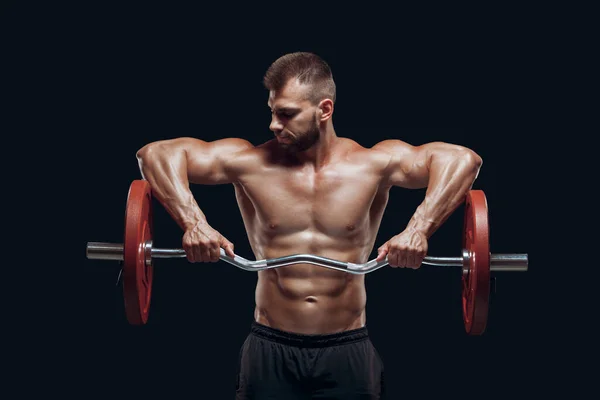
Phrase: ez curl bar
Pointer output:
(137, 253)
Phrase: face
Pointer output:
(294, 118)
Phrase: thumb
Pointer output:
(228, 246)
(382, 252)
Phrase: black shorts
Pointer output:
(274, 364)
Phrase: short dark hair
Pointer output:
(308, 68)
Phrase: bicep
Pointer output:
(409, 165)
(208, 162)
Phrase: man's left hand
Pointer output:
(405, 250)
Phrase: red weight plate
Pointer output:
(137, 273)
(476, 263)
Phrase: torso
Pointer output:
(292, 209)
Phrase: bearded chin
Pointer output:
(308, 140)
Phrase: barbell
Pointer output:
(137, 253)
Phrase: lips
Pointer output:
(284, 139)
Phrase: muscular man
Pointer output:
(309, 190)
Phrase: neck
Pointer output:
(321, 153)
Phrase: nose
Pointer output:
(276, 126)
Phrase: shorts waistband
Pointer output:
(306, 340)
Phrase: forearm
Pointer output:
(452, 174)
(165, 168)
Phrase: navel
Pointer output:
(310, 299)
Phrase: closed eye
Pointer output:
(286, 112)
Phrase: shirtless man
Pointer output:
(309, 190)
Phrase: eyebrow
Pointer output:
(285, 108)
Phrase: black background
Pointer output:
(90, 83)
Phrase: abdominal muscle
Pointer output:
(310, 299)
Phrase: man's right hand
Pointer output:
(202, 243)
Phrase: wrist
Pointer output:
(190, 223)
(422, 225)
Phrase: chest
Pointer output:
(338, 199)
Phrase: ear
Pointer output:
(325, 110)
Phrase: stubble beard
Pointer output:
(303, 142)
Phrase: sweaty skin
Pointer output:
(327, 200)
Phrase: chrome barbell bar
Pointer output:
(114, 251)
